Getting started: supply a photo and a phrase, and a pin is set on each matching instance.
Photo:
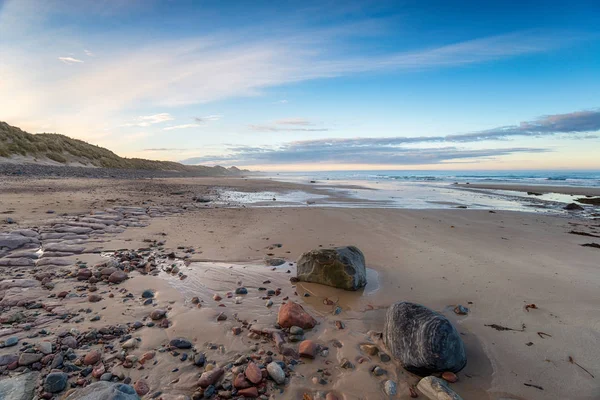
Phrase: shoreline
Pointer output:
(439, 258)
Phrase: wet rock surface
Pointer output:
(340, 267)
(422, 340)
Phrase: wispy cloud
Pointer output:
(184, 126)
(283, 101)
(402, 150)
(293, 121)
(147, 120)
(70, 60)
(207, 118)
(271, 128)
(89, 53)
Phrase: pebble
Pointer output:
(296, 330)
(94, 298)
(253, 373)
(11, 341)
(29, 358)
(236, 330)
(269, 303)
(157, 314)
(141, 387)
(450, 377)
(221, 317)
(92, 357)
(148, 294)
(106, 376)
(55, 382)
(369, 349)
(70, 342)
(130, 344)
(346, 364)
(180, 343)
(250, 392)
(461, 310)
(384, 357)
(307, 349)
(117, 277)
(378, 371)
(276, 372)
(389, 387)
(241, 290)
(199, 359)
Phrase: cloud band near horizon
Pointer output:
(401, 150)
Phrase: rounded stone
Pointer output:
(340, 267)
(180, 343)
(92, 357)
(55, 382)
(424, 341)
(276, 372)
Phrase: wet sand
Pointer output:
(493, 263)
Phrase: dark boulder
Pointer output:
(424, 341)
(341, 267)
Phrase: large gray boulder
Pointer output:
(424, 341)
(104, 391)
(21, 387)
(341, 267)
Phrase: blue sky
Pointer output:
(285, 85)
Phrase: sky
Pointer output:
(311, 85)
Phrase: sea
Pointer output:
(423, 190)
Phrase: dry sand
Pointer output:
(493, 263)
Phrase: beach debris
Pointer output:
(572, 361)
(583, 234)
(528, 306)
(542, 334)
(461, 310)
(533, 386)
(594, 245)
(340, 267)
(423, 340)
(504, 328)
(436, 388)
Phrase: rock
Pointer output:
(422, 340)
(390, 388)
(346, 364)
(293, 314)
(378, 371)
(307, 349)
(84, 274)
(200, 359)
(92, 357)
(450, 377)
(70, 342)
(274, 262)
(341, 267)
(461, 310)
(240, 382)
(221, 317)
(107, 376)
(241, 290)
(180, 343)
(276, 372)
(130, 344)
(296, 330)
(117, 277)
(7, 359)
(250, 392)
(44, 347)
(55, 382)
(29, 358)
(11, 341)
(573, 207)
(94, 298)
(20, 387)
(210, 377)
(141, 387)
(104, 391)
(369, 349)
(148, 294)
(436, 389)
(253, 373)
(157, 314)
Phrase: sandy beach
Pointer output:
(494, 263)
